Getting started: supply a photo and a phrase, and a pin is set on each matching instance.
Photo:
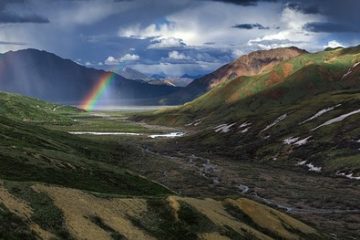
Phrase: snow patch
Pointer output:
(319, 113)
(106, 133)
(267, 137)
(279, 119)
(194, 123)
(168, 135)
(313, 168)
(197, 123)
(301, 163)
(347, 73)
(349, 175)
(337, 119)
(224, 127)
(302, 141)
(243, 188)
(245, 124)
(245, 130)
(350, 70)
(290, 140)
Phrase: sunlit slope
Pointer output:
(251, 64)
(319, 135)
(28, 109)
(139, 218)
(31, 153)
(290, 81)
(304, 114)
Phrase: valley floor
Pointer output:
(328, 203)
(199, 195)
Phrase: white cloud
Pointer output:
(166, 43)
(177, 56)
(237, 53)
(333, 44)
(177, 69)
(292, 31)
(193, 29)
(110, 60)
(169, 31)
(129, 57)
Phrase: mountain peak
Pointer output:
(284, 53)
(29, 51)
(254, 63)
(247, 65)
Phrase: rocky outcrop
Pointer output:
(247, 65)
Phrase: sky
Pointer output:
(174, 37)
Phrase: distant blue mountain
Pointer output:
(49, 77)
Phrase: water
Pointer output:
(165, 135)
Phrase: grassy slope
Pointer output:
(289, 81)
(28, 109)
(30, 152)
(300, 88)
(57, 210)
(334, 147)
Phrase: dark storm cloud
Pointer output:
(329, 27)
(341, 16)
(4, 3)
(94, 35)
(277, 42)
(9, 17)
(13, 17)
(244, 2)
(306, 9)
(12, 43)
(249, 26)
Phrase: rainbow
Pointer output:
(96, 92)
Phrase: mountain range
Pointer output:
(157, 79)
(282, 133)
(302, 112)
(49, 77)
(248, 65)
(56, 185)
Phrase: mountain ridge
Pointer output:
(301, 114)
(44, 75)
(246, 65)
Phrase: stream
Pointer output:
(211, 171)
(159, 135)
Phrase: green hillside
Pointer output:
(28, 109)
(263, 118)
(290, 81)
(54, 185)
(30, 152)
